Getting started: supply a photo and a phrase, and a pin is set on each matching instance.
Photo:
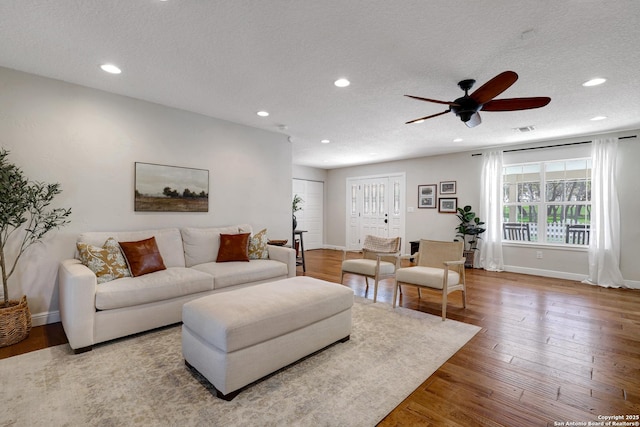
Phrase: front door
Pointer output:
(374, 206)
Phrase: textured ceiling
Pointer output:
(230, 59)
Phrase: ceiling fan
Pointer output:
(468, 106)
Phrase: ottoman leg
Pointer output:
(228, 397)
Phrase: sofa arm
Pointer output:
(286, 255)
(77, 289)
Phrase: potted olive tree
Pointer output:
(469, 231)
(25, 218)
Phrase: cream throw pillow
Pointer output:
(258, 246)
(106, 262)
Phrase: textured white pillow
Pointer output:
(258, 245)
(106, 262)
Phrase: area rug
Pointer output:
(142, 380)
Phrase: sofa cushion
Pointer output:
(201, 244)
(107, 262)
(169, 242)
(258, 245)
(233, 247)
(367, 267)
(162, 285)
(426, 276)
(236, 273)
(143, 256)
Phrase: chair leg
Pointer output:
(419, 293)
(464, 298)
(444, 306)
(375, 290)
(342, 278)
(366, 281)
(395, 292)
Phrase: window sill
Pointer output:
(555, 246)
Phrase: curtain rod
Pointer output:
(553, 146)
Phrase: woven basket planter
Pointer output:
(15, 322)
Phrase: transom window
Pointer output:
(547, 202)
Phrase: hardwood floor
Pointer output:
(550, 351)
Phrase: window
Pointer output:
(548, 202)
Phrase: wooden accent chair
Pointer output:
(516, 231)
(380, 260)
(439, 266)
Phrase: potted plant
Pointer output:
(469, 231)
(24, 220)
(295, 207)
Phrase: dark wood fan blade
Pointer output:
(433, 100)
(514, 104)
(494, 87)
(427, 117)
(474, 121)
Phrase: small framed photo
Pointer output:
(448, 204)
(427, 196)
(448, 187)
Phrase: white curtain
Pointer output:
(604, 243)
(491, 212)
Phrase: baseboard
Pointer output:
(40, 319)
(545, 273)
(334, 248)
(631, 284)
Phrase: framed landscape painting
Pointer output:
(448, 187)
(427, 196)
(448, 204)
(161, 188)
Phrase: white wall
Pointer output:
(88, 141)
(421, 223)
(466, 170)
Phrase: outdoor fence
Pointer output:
(556, 232)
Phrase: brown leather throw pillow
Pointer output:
(233, 247)
(143, 256)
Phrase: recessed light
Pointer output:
(457, 140)
(262, 113)
(594, 82)
(325, 141)
(342, 83)
(110, 68)
(596, 118)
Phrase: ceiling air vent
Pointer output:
(525, 129)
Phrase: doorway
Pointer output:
(311, 217)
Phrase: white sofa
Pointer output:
(93, 313)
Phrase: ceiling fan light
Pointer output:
(594, 82)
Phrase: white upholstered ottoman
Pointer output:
(235, 338)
